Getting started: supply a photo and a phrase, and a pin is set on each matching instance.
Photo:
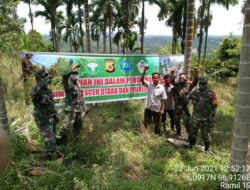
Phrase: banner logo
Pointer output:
(126, 66)
(92, 67)
(141, 65)
(109, 65)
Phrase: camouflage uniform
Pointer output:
(28, 80)
(44, 111)
(180, 104)
(204, 107)
(73, 106)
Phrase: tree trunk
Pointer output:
(241, 131)
(97, 44)
(80, 24)
(31, 16)
(189, 36)
(206, 36)
(174, 44)
(110, 38)
(118, 48)
(56, 40)
(70, 43)
(203, 5)
(3, 112)
(142, 26)
(104, 37)
(86, 10)
(74, 40)
(52, 37)
(184, 27)
(110, 29)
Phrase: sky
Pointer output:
(224, 21)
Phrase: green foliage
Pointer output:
(167, 50)
(33, 41)
(223, 61)
(229, 53)
(11, 27)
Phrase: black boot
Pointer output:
(192, 142)
(207, 145)
(61, 139)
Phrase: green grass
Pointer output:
(115, 152)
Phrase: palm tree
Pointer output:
(184, 22)
(163, 5)
(106, 11)
(98, 17)
(175, 21)
(73, 32)
(87, 27)
(95, 33)
(117, 39)
(60, 25)
(201, 20)
(131, 43)
(30, 13)
(128, 11)
(69, 13)
(50, 13)
(189, 35)
(239, 148)
(177, 13)
(208, 17)
(79, 3)
(207, 23)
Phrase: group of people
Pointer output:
(45, 113)
(173, 97)
(168, 96)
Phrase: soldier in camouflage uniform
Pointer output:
(73, 104)
(44, 111)
(180, 91)
(28, 76)
(204, 107)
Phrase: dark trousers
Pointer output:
(171, 115)
(71, 121)
(149, 115)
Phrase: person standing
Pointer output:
(44, 112)
(180, 91)
(204, 108)
(154, 106)
(73, 104)
(28, 71)
(169, 103)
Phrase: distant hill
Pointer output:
(152, 43)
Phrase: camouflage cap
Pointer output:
(203, 80)
(41, 74)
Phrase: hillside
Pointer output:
(152, 43)
(116, 152)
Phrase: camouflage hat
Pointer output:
(203, 80)
(41, 74)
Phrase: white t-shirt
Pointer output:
(154, 96)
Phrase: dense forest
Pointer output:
(114, 150)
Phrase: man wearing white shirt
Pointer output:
(154, 105)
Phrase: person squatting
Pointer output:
(172, 98)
